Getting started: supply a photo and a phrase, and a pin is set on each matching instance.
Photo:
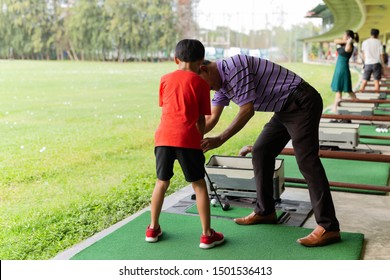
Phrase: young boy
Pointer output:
(185, 100)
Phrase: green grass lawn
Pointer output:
(77, 148)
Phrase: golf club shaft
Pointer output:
(212, 187)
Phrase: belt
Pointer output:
(302, 88)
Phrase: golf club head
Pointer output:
(225, 206)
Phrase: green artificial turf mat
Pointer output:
(180, 241)
(345, 171)
(381, 112)
(370, 131)
(328, 111)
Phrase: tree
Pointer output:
(185, 18)
(84, 24)
(89, 29)
(157, 26)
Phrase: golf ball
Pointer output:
(213, 202)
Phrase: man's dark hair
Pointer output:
(374, 32)
(189, 50)
(206, 62)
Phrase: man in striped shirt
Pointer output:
(256, 84)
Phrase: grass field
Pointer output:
(77, 148)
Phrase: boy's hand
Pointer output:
(210, 143)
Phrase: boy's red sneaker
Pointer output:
(207, 242)
(152, 234)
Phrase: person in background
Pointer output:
(185, 100)
(373, 58)
(341, 81)
(256, 84)
(385, 56)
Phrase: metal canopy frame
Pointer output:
(358, 15)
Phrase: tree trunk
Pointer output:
(73, 51)
(69, 54)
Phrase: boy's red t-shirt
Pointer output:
(183, 96)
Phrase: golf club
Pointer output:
(225, 206)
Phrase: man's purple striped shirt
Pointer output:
(251, 79)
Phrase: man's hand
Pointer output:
(245, 113)
(245, 150)
(211, 143)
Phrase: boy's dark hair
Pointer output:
(374, 32)
(189, 50)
